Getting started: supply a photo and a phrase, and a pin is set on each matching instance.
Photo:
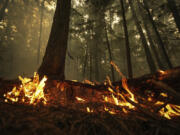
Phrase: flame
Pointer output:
(89, 110)
(30, 91)
(109, 111)
(106, 109)
(170, 111)
(115, 100)
(80, 99)
(164, 94)
(125, 86)
(161, 72)
(159, 103)
(124, 110)
(111, 90)
(118, 98)
(106, 99)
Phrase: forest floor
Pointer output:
(63, 114)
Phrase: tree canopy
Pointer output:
(139, 36)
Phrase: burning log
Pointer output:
(167, 89)
(146, 105)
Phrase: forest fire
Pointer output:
(29, 92)
(119, 99)
(112, 67)
(120, 102)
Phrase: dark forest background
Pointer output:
(140, 36)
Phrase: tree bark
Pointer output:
(54, 60)
(40, 31)
(85, 62)
(95, 53)
(161, 44)
(175, 13)
(160, 64)
(149, 58)
(154, 49)
(128, 55)
(96, 63)
(109, 50)
(90, 63)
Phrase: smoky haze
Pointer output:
(93, 26)
(20, 35)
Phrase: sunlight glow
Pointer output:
(50, 6)
(78, 3)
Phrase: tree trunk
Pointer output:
(149, 58)
(96, 60)
(90, 63)
(95, 52)
(145, 22)
(175, 13)
(40, 31)
(85, 62)
(160, 64)
(161, 44)
(2, 11)
(54, 60)
(128, 55)
(109, 50)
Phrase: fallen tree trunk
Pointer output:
(162, 81)
(65, 115)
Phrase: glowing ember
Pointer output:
(30, 91)
(149, 99)
(88, 82)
